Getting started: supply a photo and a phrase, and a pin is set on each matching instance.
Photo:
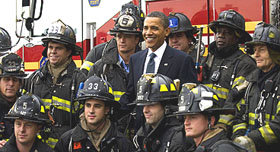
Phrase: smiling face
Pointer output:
(126, 42)
(262, 57)
(224, 37)
(153, 114)
(25, 131)
(154, 32)
(95, 112)
(57, 53)
(179, 41)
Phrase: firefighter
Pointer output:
(11, 80)
(127, 35)
(201, 108)
(113, 64)
(5, 41)
(258, 121)
(30, 117)
(95, 132)
(182, 31)
(57, 82)
(158, 96)
(226, 66)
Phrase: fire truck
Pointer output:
(92, 19)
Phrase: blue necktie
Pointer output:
(151, 64)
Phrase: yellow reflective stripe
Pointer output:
(238, 81)
(238, 105)
(239, 126)
(172, 87)
(268, 134)
(252, 117)
(226, 119)
(87, 65)
(163, 88)
(47, 103)
(221, 92)
(23, 91)
(59, 103)
(51, 142)
(42, 109)
(278, 107)
(118, 94)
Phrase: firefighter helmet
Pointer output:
(178, 22)
(130, 8)
(5, 41)
(153, 88)
(64, 34)
(97, 88)
(200, 99)
(129, 24)
(265, 34)
(11, 65)
(29, 107)
(232, 19)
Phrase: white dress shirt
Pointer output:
(159, 53)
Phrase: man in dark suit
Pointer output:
(157, 58)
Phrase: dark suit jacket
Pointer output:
(174, 64)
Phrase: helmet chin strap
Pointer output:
(100, 124)
(209, 128)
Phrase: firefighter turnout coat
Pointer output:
(224, 70)
(261, 118)
(168, 136)
(77, 140)
(57, 97)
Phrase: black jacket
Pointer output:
(38, 146)
(57, 97)
(168, 136)
(216, 141)
(113, 141)
(266, 136)
(224, 62)
(6, 126)
(94, 55)
(110, 66)
(223, 70)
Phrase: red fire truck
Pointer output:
(200, 12)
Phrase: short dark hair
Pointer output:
(162, 16)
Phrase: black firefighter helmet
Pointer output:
(127, 24)
(200, 99)
(97, 88)
(11, 65)
(178, 22)
(29, 107)
(61, 33)
(232, 19)
(5, 41)
(154, 88)
(265, 34)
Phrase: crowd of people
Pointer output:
(125, 99)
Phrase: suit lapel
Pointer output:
(165, 62)
(140, 64)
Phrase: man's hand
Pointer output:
(2, 143)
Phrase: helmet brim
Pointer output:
(19, 76)
(214, 111)
(106, 100)
(255, 42)
(76, 50)
(38, 121)
(245, 36)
